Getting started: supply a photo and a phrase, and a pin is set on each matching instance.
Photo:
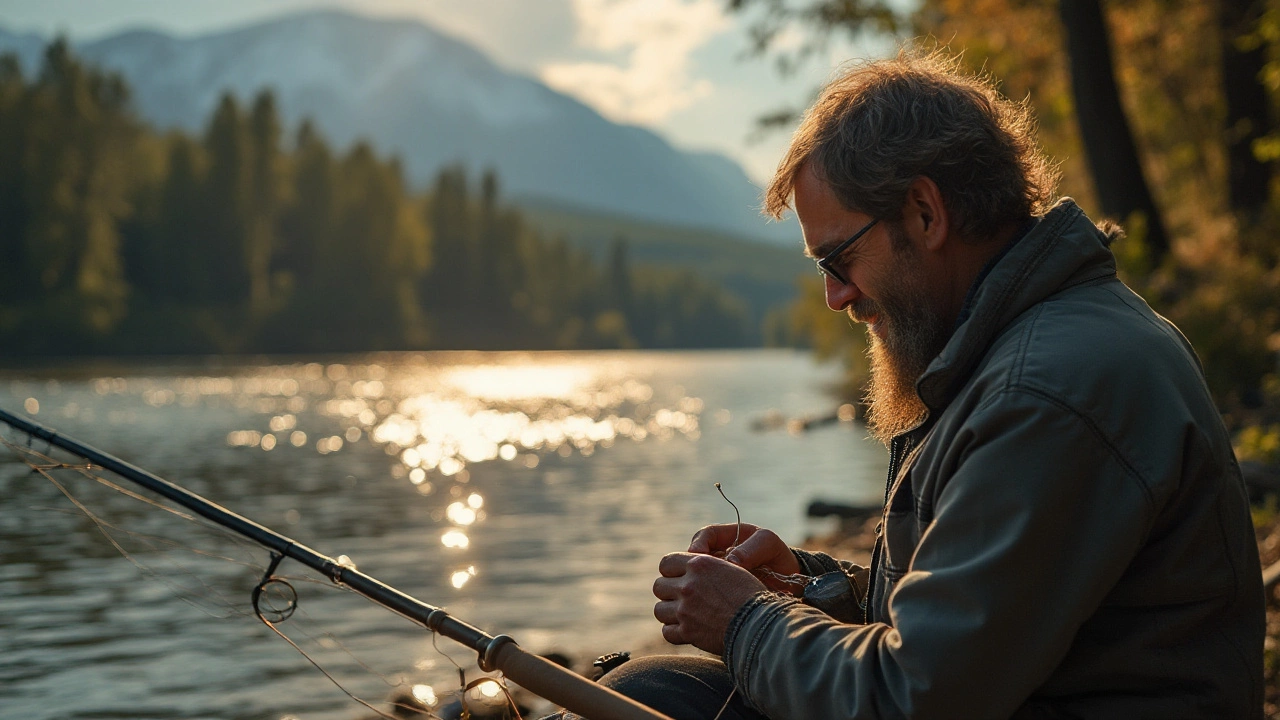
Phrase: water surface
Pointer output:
(529, 494)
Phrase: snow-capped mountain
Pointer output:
(433, 100)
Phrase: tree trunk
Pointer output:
(1108, 143)
(1248, 112)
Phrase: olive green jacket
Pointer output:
(1067, 535)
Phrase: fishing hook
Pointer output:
(737, 532)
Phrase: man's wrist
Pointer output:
(745, 610)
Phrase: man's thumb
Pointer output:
(746, 554)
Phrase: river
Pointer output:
(528, 493)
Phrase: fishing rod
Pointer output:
(496, 652)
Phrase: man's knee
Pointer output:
(680, 686)
(667, 672)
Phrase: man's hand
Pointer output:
(699, 595)
(758, 549)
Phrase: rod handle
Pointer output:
(567, 688)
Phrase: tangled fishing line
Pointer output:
(185, 569)
(792, 583)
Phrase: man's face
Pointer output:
(887, 290)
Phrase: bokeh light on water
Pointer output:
(439, 422)
(530, 494)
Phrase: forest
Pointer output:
(1163, 117)
(116, 238)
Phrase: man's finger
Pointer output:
(763, 547)
(673, 564)
(705, 541)
(666, 588)
(665, 612)
(713, 538)
(753, 552)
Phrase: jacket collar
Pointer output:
(1063, 249)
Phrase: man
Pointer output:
(1065, 532)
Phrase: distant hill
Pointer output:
(433, 100)
(764, 275)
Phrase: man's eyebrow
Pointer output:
(822, 250)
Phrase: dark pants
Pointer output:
(682, 687)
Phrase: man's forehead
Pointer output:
(819, 243)
(823, 248)
(825, 221)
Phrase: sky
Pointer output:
(678, 67)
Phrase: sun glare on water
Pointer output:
(433, 418)
(507, 383)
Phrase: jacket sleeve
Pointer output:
(1037, 522)
(819, 563)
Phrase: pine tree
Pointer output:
(16, 279)
(448, 289)
(181, 276)
(223, 227)
(266, 199)
(79, 140)
(307, 222)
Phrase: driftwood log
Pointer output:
(822, 508)
(1261, 479)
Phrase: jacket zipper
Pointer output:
(895, 458)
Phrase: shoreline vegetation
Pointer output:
(120, 239)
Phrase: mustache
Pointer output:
(863, 309)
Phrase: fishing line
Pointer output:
(146, 539)
(501, 686)
(105, 528)
(462, 674)
(330, 637)
(324, 672)
(86, 471)
(737, 535)
(737, 530)
(275, 598)
(324, 637)
(466, 686)
(725, 706)
(794, 583)
(271, 580)
(222, 608)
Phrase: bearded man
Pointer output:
(1065, 530)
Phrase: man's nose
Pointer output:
(840, 295)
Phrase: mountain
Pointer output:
(433, 100)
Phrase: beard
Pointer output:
(914, 333)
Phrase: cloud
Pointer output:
(654, 40)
